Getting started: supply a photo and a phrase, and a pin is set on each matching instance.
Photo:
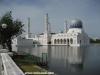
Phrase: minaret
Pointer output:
(46, 23)
(29, 34)
(65, 26)
(47, 29)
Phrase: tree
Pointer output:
(14, 28)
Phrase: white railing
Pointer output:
(9, 66)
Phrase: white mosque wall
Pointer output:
(79, 38)
(22, 41)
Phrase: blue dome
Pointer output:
(76, 24)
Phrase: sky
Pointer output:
(88, 11)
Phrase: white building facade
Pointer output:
(73, 36)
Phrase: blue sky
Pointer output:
(59, 10)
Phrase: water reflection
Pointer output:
(61, 59)
(65, 60)
(75, 58)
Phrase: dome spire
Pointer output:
(65, 26)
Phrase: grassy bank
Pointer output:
(29, 63)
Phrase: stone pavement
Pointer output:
(9, 67)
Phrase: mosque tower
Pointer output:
(47, 33)
(46, 23)
(65, 26)
(29, 33)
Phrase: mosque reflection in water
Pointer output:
(60, 59)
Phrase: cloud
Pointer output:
(59, 10)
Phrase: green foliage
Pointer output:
(13, 29)
(95, 41)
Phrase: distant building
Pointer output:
(72, 36)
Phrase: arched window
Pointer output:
(61, 41)
(67, 41)
(55, 41)
(80, 41)
(64, 41)
(71, 41)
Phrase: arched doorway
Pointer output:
(58, 41)
(61, 41)
(67, 41)
(64, 41)
(55, 41)
(71, 41)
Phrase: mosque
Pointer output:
(72, 36)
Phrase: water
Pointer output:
(64, 60)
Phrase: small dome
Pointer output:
(76, 24)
